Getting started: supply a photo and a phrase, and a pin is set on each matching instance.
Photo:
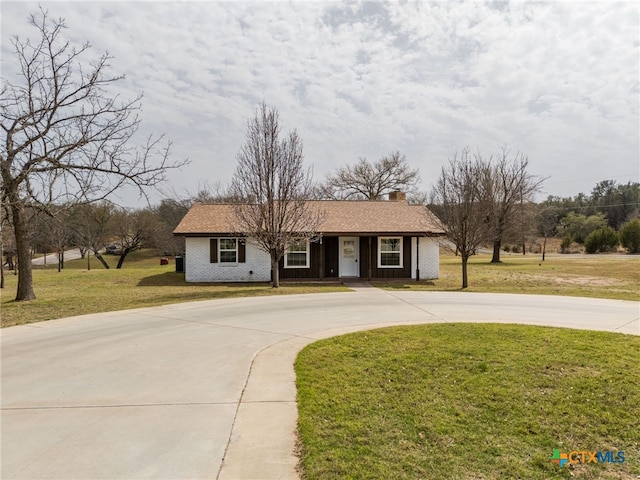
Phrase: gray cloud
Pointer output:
(558, 81)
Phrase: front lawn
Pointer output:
(468, 401)
(142, 282)
(600, 276)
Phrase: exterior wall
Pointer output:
(199, 269)
(429, 257)
(331, 249)
(369, 259)
(313, 271)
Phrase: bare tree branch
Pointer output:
(510, 187)
(273, 188)
(370, 181)
(66, 139)
(461, 204)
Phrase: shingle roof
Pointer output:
(341, 217)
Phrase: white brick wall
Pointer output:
(429, 258)
(198, 268)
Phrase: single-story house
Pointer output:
(357, 239)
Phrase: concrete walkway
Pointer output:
(207, 389)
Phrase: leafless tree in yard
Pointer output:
(273, 188)
(92, 224)
(135, 229)
(460, 202)
(66, 138)
(510, 186)
(370, 181)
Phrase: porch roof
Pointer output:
(347, 217)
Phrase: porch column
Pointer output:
(321, 259)
(417, 259)
(369, 266)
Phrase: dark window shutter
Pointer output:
(213, 250)
(242, 251)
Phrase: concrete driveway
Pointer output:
(206, 389)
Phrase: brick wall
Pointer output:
(429, 258)
(199, 269)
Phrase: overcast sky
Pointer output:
(558, 81)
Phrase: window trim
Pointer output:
(307, 254)
(380, 252)
(220, 250)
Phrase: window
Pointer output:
(297, 255)
(389, 252)
(228, 250)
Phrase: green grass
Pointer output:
(142, 282)
(602, 276)
(468, 401)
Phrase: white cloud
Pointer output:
(556, 80)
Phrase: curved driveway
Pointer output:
(169, 392)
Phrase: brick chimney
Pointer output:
(397, 196)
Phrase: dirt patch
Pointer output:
(587, 281)
(580, 280)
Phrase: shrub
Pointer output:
(630, 235)
(566, 243)
(506, 248)
(601, 240)
(579, 226)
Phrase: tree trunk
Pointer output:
(23, 251)
(1, 264)
(123, 255)
(544, 247)
(102, 260)
(465, 277)
(496, 251)
(275, 271)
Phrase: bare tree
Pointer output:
(276, 187)
(461, 204)
(135, 230)
(547, 225)
(370, 181)
(66, 139)
(55, 232)
(91, 225)
(509, 187)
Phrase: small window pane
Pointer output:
(228, 256)
(390, 259)
(298, 247)
(296, 259)
(227, 244)
(390, 245)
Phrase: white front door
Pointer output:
(349, 253)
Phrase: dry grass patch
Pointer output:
(600, 276)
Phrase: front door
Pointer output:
(349, 253)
